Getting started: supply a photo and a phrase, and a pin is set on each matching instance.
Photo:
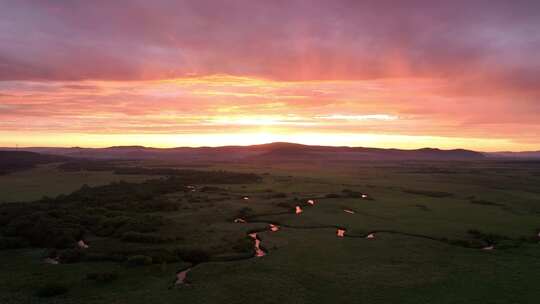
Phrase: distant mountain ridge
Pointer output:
(517, 155)
(278, 151)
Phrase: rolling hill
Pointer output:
(265, 152)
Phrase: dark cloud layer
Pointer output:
(293, 40)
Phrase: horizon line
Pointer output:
(250, 145)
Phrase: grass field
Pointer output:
(47, 180)
(431, 222)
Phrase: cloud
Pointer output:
(286, 40)
(358, 117)
(458, 68)
(405, 106)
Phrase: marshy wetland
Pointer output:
(393, 232)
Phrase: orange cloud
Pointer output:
(409, 107)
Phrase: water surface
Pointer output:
(258, 251)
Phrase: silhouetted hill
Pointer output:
(516, 155)
(279, 151)
(302, 152)
(11, 161)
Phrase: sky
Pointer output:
(402, 74)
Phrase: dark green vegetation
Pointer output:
(12, 161)
(431, 221)
(131, 212)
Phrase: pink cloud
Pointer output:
(460, 68)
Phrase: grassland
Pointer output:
(431, 221)
(48, 180)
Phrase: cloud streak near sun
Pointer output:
(419, 70)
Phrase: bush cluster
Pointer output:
(51, 290)
(139, 260)
(102, 277)
(138, 237)
(194, 256)
(436, 194)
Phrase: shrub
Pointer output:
(118, 225)
(194, 256)
(70, 256)
(437, 194)
(97, 257)
(12, 243)
(245, 212)
(162, 256)
(62, 238)
(42, 229)
(194, 200)
(489, 238)
(507, 244)
(352, 194)
(422, 207)
(212, 189)
(484, 202)
(108, 226)
(137, 237)
(243, 245)
(102, 277)
(139, 260)
(278, 195)
(157, 205)
(467, 243)
(51, 290)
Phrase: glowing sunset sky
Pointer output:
(403, 74)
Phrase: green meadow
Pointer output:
(48, 180)
(442, 232)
